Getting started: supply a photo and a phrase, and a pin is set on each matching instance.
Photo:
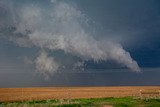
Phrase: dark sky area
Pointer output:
(79, 42)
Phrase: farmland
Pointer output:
(79, 96)
(43, 93)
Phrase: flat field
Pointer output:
(46, 93)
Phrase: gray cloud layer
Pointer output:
(61, 27)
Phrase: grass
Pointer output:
(92, 102)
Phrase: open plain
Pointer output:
(45, 93)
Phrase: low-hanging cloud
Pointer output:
(45, 64)
(63, 27)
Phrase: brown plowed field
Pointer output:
(44, 93)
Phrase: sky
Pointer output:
(90, 43)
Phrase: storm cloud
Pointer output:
(63, 27)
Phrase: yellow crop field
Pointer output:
(45, 93)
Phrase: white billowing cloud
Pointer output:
(45, 64)
(29, 16)
(63, 28)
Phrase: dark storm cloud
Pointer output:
(127, 20)
(75, 34)
(135, 24)
(66, 29)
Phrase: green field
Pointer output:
(92, 102)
